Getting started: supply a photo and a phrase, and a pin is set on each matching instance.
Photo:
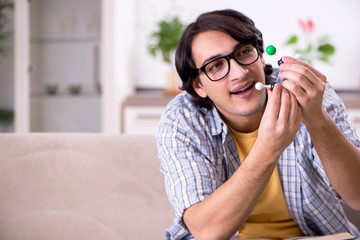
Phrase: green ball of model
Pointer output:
(270, 50)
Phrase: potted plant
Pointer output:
(321, 49)
(4, 6)
(6, 119)
(165, 40)
(6, 115)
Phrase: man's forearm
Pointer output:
(221, 214)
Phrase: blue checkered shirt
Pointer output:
(198, 155)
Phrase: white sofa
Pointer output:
(83, 186)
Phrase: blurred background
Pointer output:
(97, 65)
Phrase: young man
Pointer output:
(258, 164)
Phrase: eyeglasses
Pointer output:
(219, 67)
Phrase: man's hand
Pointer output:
(308, 86)
(280, 122)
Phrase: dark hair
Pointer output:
(228, 21)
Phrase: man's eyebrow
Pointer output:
(218, 55)
(210, 58)
(239, 45)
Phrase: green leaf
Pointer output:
(292, 40)
(324, 58)
(304, 51)
(323, 39)
(152, 51)
(327, 49)
(309, 48)
(4, 5)
(6, 117)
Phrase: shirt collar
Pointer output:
(219, 125)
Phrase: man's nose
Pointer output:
(237, 70)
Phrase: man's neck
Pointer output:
(245, 124)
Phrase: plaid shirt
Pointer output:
(198, 155)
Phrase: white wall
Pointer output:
(277, 19)
(116, 60)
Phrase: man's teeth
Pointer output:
(245, 88)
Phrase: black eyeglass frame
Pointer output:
(228, 58)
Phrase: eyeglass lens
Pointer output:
(219, 68)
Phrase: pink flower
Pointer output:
(307, 26)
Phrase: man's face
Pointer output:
(234, 96)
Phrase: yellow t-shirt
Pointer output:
(270, 217)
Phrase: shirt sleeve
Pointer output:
(335, 107)
(190, 175)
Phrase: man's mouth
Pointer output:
(244, 89)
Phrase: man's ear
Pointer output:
(199, 88)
